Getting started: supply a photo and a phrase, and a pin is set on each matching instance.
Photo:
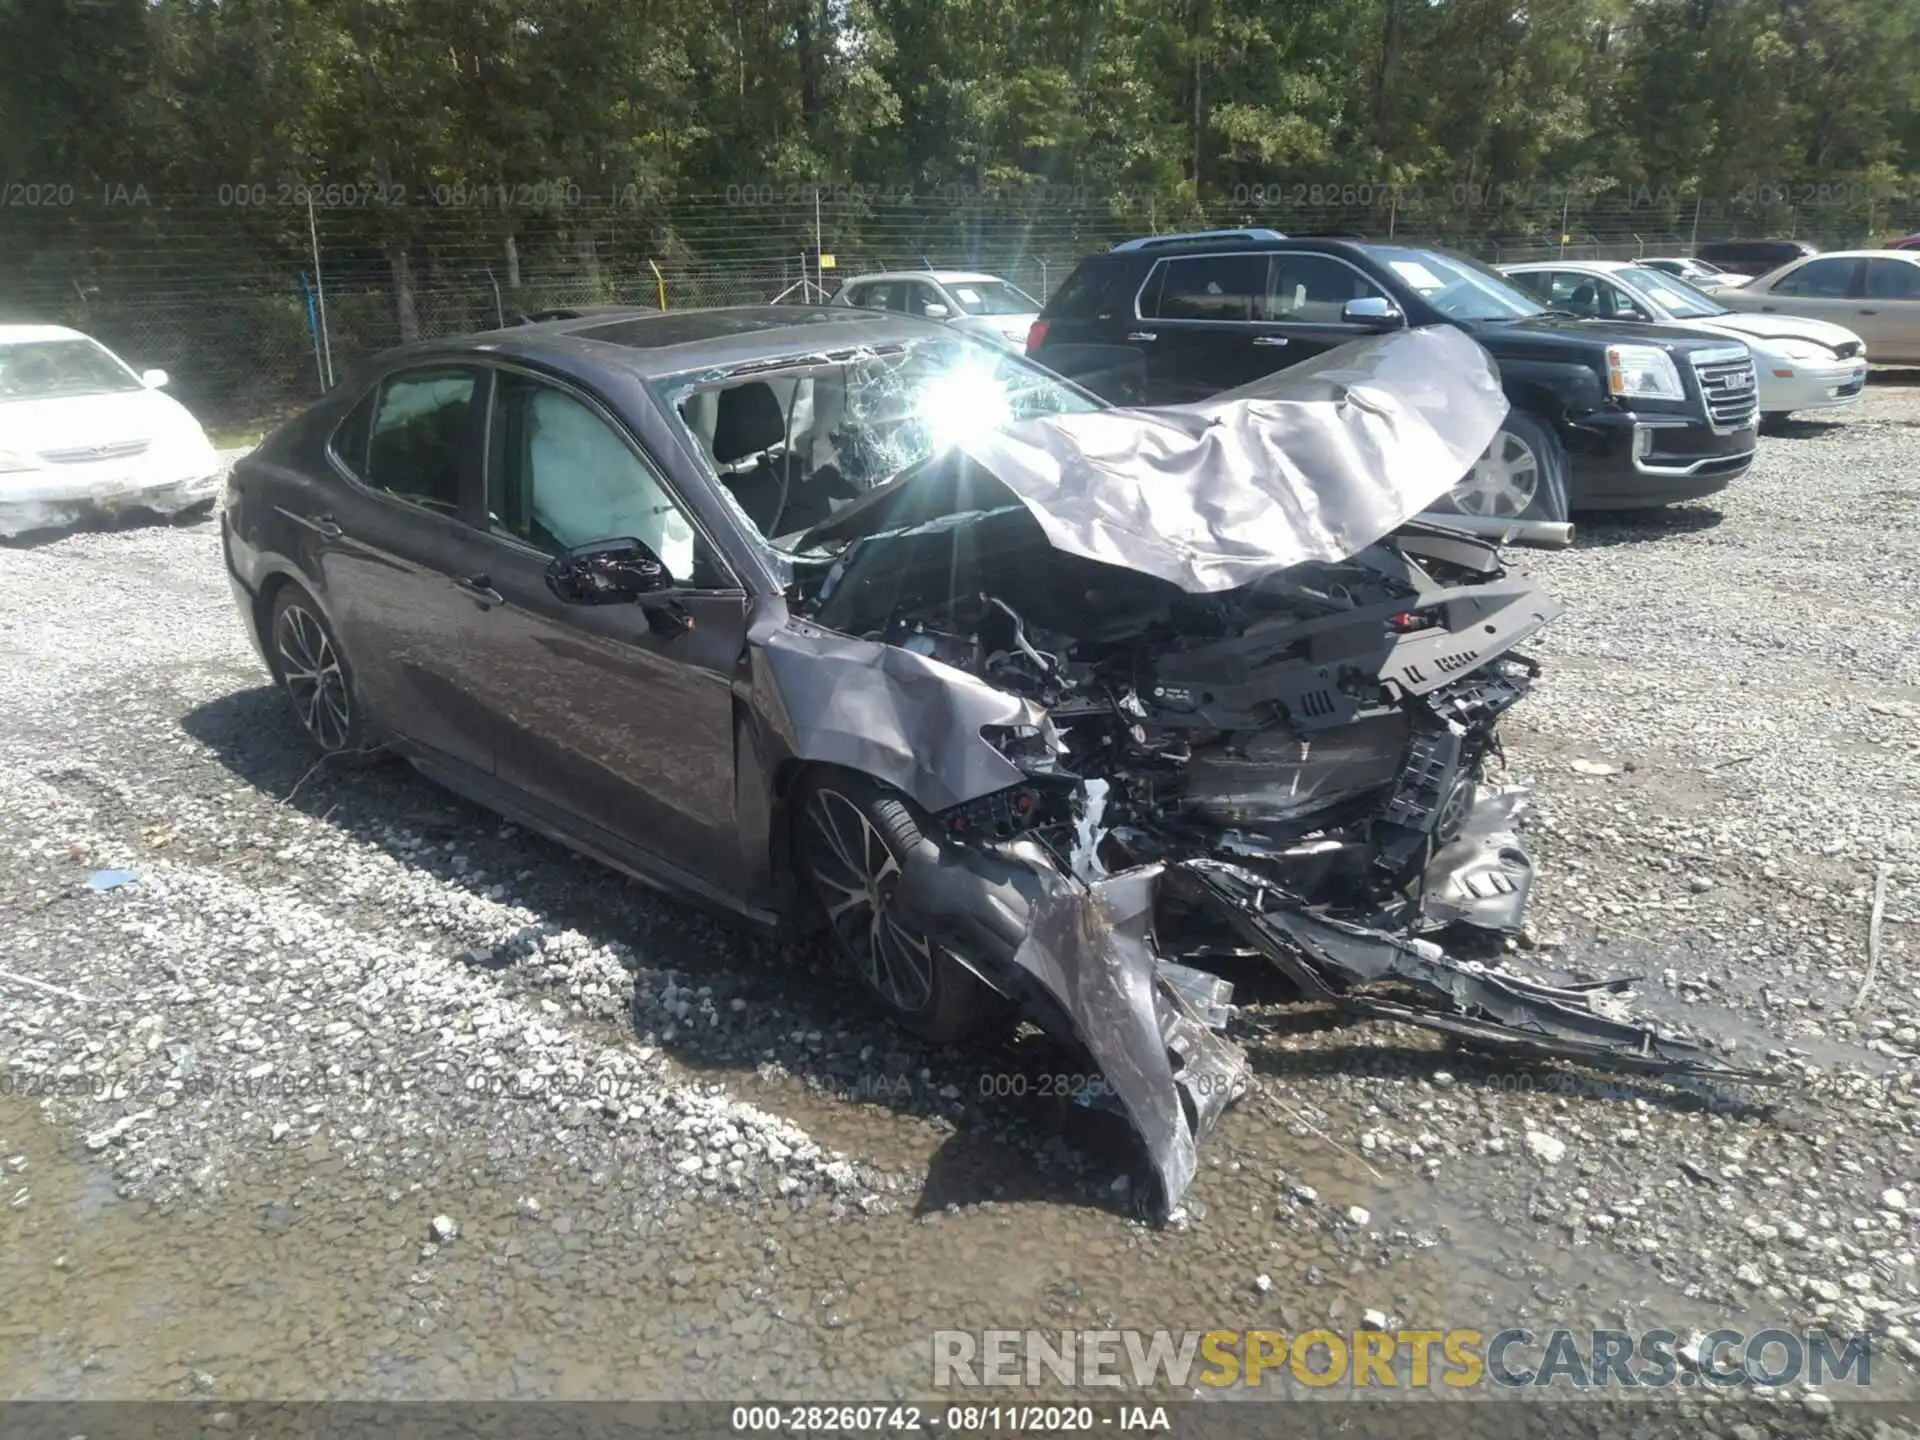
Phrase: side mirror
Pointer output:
(153, 379)
(935, 311)
(620, 572)
(1372, 311)
(607, 572)
(1630, 312)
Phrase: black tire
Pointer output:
(1522, 475)
(313, 673)
(850, 836)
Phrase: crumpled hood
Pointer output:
(1313, 463)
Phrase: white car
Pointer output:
(1874, 292)
(966, 299)
(1800, 364)
(82, 435)
(1701, 274)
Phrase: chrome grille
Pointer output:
(87, 454)
(1730, 386)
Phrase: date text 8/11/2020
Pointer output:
(952, 1419)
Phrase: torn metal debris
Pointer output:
(1162, 686)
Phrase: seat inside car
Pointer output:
(749, 423)
(1585, 300)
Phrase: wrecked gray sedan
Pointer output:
(1031, 706)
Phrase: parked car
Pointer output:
(1801, 364)
(1753, 257)
(83, 436)
(787, 610)
(1697, 273)
(984, 304)
(1905, 242)
(1608, 414)
(1875, 293)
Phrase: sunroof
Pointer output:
(654, 331)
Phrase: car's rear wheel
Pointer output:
(312, 670)
(1522, 475)
(852, 835)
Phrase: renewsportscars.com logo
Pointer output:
(1378, 1360)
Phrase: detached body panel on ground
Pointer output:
(82, 437)
(1027, 704)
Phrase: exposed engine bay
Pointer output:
(1190, 683)
(1305, 768)
(1329, 726)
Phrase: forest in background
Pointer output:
(443, 160)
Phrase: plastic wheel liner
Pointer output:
(1176, 684)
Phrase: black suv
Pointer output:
(1754, 257)
(1608, 414)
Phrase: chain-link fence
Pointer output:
(259, 297)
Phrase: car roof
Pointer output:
(1234, 243)
(655, 343)
(1906, 255)
(944, 277)
(1607, 266)
(26, 334)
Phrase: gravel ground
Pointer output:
(498, 1122)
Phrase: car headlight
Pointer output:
(1645, 371)
(1802, 350)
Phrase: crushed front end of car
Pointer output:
(1182, 684)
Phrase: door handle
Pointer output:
(328, 526)
(481, 588)
(1141, 335)
(1766, 309)
(1269, 339)
(1869, 312)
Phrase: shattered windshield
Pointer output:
(55, 369)
(795, 442)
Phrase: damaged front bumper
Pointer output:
(1084, 952)
(36, 501)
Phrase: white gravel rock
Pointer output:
(1547, 1149)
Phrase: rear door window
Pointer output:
(418, 435)
(1893, 280)
(1819, 279)
(1211, 287)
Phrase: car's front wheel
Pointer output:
(1522, 475)
(852, 835)
(314, 674)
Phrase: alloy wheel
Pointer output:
(857, 876)
(1503, 483)
(311, 672)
